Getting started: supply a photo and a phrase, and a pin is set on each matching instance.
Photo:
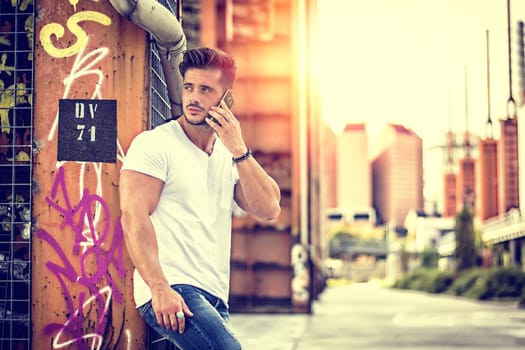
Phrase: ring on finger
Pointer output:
(180, 314)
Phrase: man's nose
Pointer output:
(194, 97)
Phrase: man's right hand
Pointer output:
(170, 309)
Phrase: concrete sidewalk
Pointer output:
(269, 332)
(368, 316)
(286, 331)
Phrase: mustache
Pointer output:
(193, 105)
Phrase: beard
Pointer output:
(195, 122)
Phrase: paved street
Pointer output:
(367, 316)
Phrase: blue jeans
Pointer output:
(209, 327)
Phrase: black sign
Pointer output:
(87, 130)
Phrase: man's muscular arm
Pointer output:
(139, 196)
(256, 192)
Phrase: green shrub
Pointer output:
(479, 290)
(429, 280)
(474, 283)
(465, 281)
(419, 279)
(505, 283)
(439, 282)
(489, 284)
(402, 282)
(410, 280)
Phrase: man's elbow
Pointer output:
(271, 213)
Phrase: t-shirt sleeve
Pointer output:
(146, 155)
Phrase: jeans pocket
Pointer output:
(143, 309)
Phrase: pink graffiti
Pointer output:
(77, 218)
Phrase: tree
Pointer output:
(429, 258)
(465, 240)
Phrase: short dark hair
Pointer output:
(210, 58)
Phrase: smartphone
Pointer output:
(228, 99)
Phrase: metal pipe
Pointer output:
(170, 40)
(489, 126)
(511, 103)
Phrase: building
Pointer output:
(353, 168)
(466, 184)
(327, 183)
(508, 168)
(506, 231)
(424, 231)
(329, 173)
(397, 174)
(460, 156)
(450, 201)
(449, 178)
(487, 175)
(277, 105)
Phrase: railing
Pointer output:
(505, 227)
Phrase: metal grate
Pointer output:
(160, 105)
(16, 137)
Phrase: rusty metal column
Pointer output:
(91, 57)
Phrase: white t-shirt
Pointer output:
(192, 221)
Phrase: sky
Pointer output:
(407, 61)
(416, 63)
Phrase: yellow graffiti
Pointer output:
(57, 30)
(10, 97)
(5, 41)
(4, 67)
(7, 101)
(74, 4)
(23, 5)
(29, 28)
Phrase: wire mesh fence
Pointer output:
(16, 137)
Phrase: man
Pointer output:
(177, 188)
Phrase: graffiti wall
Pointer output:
(16, 99)
(89, 103)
